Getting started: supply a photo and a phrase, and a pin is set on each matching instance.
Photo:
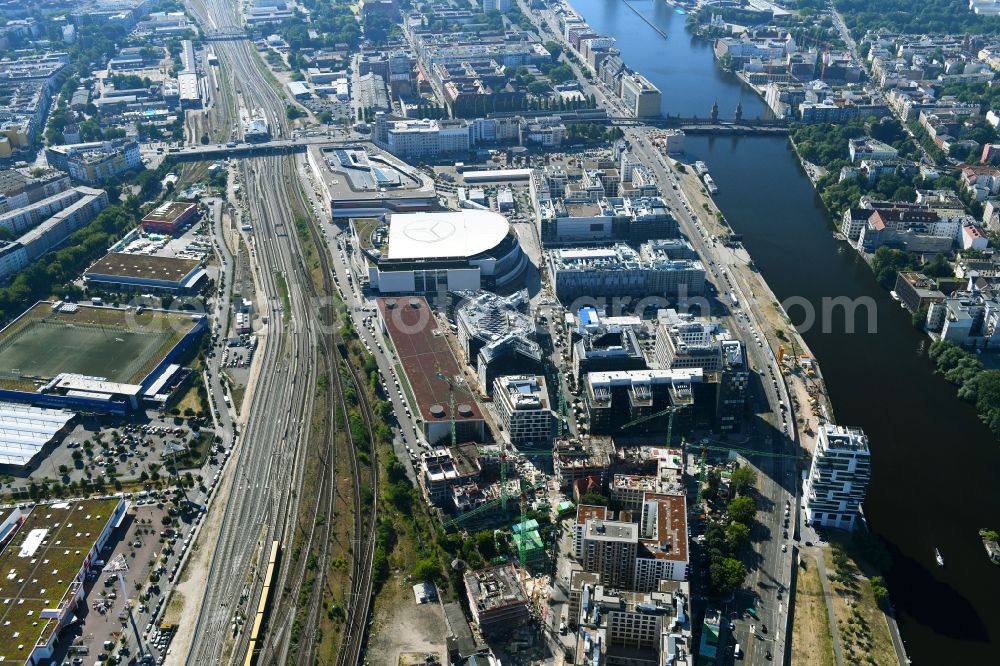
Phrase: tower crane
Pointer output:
(452, 386)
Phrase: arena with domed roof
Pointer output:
(430, 252)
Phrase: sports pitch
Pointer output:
(96, 346)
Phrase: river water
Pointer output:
(934, 466)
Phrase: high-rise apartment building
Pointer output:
(838, 477)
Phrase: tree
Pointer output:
(561, 74)
(879, 590)
(713, 479)
(594, 498)
(742, 509)
(324, 116)
(486, 544)
(204, 139)
(427, 569)
(743, 480)
(554, 49)
(737, 535)
(988, 399)
(727, 575)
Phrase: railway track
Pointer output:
(273, 454)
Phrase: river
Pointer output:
(934, 466)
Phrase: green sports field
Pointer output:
(46, 348)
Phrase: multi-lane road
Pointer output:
(769, 580)
(777, 480)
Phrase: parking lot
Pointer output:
(116, 450)
(141, 552)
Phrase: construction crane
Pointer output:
(746, 453)
(488, 506)
(669, 412)
(704, 447)
(452, 385)
(118, 567)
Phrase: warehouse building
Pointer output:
(170, 218)
(119, 271)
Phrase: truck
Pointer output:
(732, 299)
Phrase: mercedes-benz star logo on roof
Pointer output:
(429, 231)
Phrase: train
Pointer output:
(262, 605)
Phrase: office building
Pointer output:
(838, 477)
(524, 411)
(609, 548)
(641, 98)
(916, 291)
(599, 218)
(968, 318)
(416, 139)
(497, 335)
(734, 385)
(684, 342)
(620, 271)
(607, 343)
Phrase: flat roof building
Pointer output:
(170, 217)
(26, 430)
(616, 398)
(663, 541)
(45, 565)
(423, 353)
(132, 272)
(522, 403)
(621, 271)
(497, 599)
(606, 345)
(838, 477)
(609, 548)
(362, 181)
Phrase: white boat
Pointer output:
(700, 168)
(938, 558)
(710, 184)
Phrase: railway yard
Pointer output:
(389, 452)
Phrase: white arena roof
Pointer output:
(25, 430)
(439, 235)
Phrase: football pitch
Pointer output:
(47, 348)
